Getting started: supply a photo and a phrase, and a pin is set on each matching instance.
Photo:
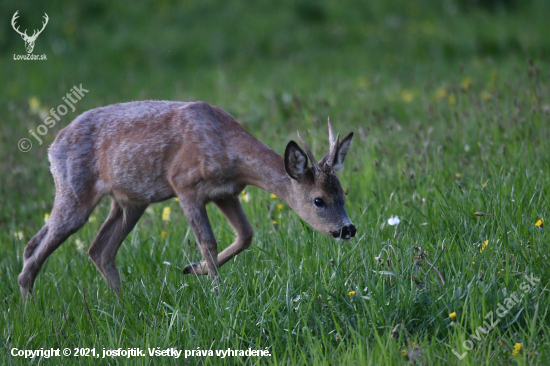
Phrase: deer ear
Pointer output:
(295, 161)
(342, 152)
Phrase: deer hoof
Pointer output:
(198, 268)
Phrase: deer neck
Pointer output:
(265, 169)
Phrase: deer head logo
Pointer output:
(29, 41)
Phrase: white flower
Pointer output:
(79, 245)
(394, 220)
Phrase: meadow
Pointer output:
(450, 105)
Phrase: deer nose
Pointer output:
(348, 231)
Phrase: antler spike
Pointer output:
(328, 160)
(333, 146)
(330, 133)
(332, 152)
(310, 154)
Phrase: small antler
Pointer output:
(13, 19)
(330, 133)
(310, 154)
(333, 146)
(35, 34)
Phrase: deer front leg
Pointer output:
(200, 224)
(233, 211)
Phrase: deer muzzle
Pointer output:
(345, 233)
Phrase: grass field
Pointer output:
(450, 105)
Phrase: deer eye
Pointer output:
(319, 202)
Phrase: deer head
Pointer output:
(29, 41)
(319, 197)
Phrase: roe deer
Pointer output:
(144, 152)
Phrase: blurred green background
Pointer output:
(278, 64)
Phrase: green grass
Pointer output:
(451, 114)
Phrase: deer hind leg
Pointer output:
(233, 210)
(114, 230)
(68, 215)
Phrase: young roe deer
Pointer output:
(144, 152)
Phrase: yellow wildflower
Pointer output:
(466, 83)
(404, 353)
(351, 293)
(474, 262)
(273, 196)
(280, 207)
(46, 217)
(407, 96)
(275, 222)
(163, 234)
(246, 196)
(452, 315)
(176, 199)
(34, 105)
(18, 235)
(362, 82)
(501, 344)
(485, 243)
(451, 99)
(458, 175)
(166, 213)
(485, 95)
(540, 223)
(92, 219)
(441, 93)
(517, 348)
